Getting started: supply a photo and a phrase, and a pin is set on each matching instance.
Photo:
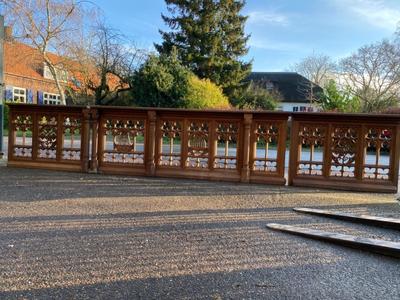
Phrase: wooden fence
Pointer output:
(326, 150)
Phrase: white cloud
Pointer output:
(272, 45)
(267, 17)
(376, 12)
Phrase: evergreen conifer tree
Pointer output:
(210, 39)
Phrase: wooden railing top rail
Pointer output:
(347, 117)
(323, 116)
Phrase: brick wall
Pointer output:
(35, 85)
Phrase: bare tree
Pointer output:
(373, 75)
(318, 68)
(47, 25)
(107, 61)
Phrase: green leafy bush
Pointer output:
(202, 93)
(256, 97)
(334, 99)
(162, 81)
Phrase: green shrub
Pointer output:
(334, 99)
(202, 93)
(256, 97)
(162, 81)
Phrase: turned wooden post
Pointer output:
(150, 143)
(245, 174)
(85, 139)
(94, 124)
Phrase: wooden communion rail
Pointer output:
(340, 151)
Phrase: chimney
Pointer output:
(8, 33)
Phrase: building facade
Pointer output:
(297, 93)
(27, 79)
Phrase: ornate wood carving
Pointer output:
(344, 141)
(47, 136)
(124, 141)
(171, 143)
(198, 144)
(72, 130)
(22, 127)
(227, 135)
(378, 147)
(311, 142)
(265, 158)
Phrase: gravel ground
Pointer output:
(77, 236)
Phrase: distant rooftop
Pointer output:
(292, 86)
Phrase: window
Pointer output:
(269, 86)
(61, 74)
(295, 108)
(52, 99)
(19, 95)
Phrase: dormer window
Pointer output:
(269, 86)
(61, 74)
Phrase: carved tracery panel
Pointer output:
(171, 143)
(227, 135)
(198, 144)
(47, 136)
(23, 128)
(265, 152)
(344, 141)
(378, 145)
(312, 140)
(124, 141)
(72, 130)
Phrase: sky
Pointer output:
(282, 31)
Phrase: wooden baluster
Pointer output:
(11, 134)
(295, 151)
(85, 139)
(150, 143)
(360, 154)
(245, 174)
(281, 149)
(212, 144)
(94, 124)
(395, 157)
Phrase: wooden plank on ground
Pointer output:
(364, 219)
(372, 245)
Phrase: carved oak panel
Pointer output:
(47, 136)
(22, 125)
(170, 154)
(266, 141)
(124, 141)
(198, 144)
(227, 135)
(72, 132)
(312, 142)
(344, 140)
(378, 146)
